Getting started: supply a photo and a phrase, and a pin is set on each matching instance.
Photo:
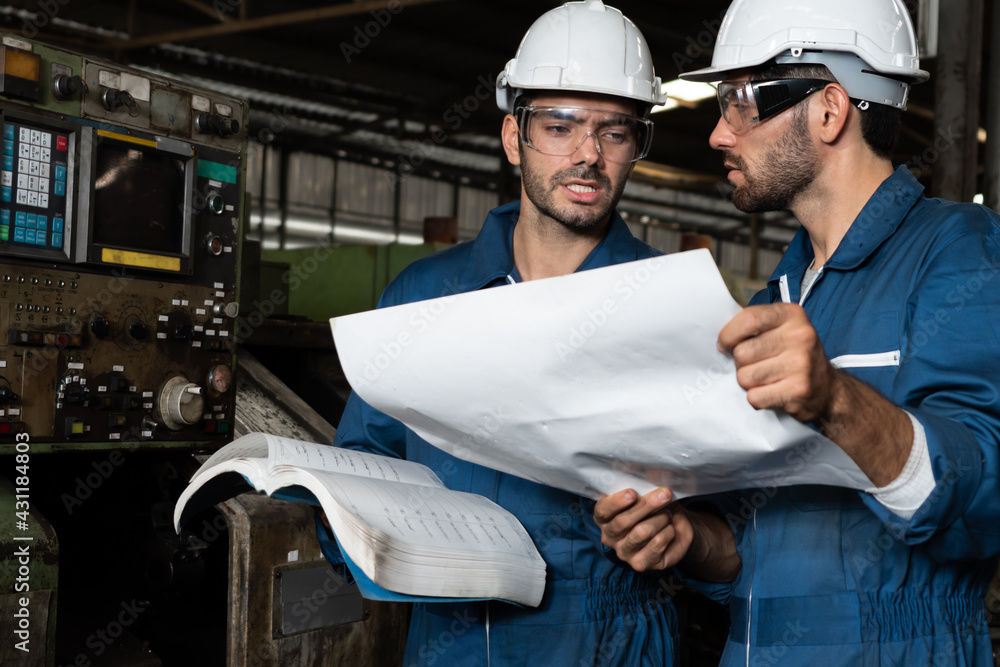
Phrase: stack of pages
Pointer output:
(401, 531)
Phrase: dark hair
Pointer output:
(879, 122)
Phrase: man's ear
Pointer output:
(509, 137)
(833, 108)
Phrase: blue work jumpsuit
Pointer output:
(595, 610)
(910, 304)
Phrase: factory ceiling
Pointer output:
(394, 73)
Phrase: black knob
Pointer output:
(115, 99)
(100, 326)
(7, 395)
(76, 396)
(223, 126)
(182, 332)
(137, 329)
(65, 86)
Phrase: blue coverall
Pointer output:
(595, 610)
(909, 303)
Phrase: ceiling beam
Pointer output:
(216, 14)
(265, 22)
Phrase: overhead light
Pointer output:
(682, 93)
(978, 199)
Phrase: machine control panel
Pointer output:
(121, 218)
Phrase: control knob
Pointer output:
(180, 403)
(210, 123)
(100, 326)
(65, 86)
(137, 329)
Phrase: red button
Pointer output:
(61, 143)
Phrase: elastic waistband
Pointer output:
(850, 619)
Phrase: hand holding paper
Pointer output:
(593, 382)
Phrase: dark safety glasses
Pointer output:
(746, 103)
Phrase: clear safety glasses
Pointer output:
(746, 103)
(562, 130)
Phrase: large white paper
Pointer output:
(593, 382)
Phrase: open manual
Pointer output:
(402, 533)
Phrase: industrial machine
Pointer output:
(121, 218)
(120, 210)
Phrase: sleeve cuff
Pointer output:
(905, 494)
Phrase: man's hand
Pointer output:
(651, 533)
(781, 363)
(647, 533)
(780, 360)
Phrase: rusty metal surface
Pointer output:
(263, 534)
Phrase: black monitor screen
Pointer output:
(138, 199)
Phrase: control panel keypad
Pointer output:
(33, 186)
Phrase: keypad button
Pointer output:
(32, 199)
(7, 178)
(21, 219)
(40, 238)
(8, 162)
(21, 197)
(24, 135)
(22, 181)
(59, 188)
(32, 221)
(35, 137)
(8, 131)
(60, 173)
(8, 147)
(5, 216)
(43, 200)
(46, 140)
(57, 225)
(60, 143)
(29, 236)
(57, 240)
(4, 233)
(19, 234)
(24, 150)
(34, 152)
(46, 154)
(43, 170)
(5, 194)
(43, 185)
(34, 167)
(32, 183)
(43, 222)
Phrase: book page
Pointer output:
(285, 451)
(250, 446)
(420, 516)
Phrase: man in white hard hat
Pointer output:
(577, 96)
(881, 328)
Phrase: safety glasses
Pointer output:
(619, 137)
(746, 103)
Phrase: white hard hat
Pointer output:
(869, 45)
(582, 47)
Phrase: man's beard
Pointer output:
(783, 172)
(576, 217)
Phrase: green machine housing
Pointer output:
(121, 217)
